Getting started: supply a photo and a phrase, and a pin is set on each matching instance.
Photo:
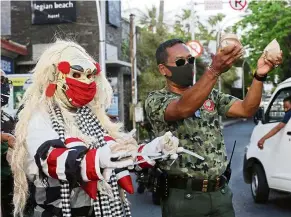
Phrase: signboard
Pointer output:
(53, 12)
(114, 13)
(113, 110)
(238, 4)
(195, 47)
(20, 83)
(139, 115)
(7, 65)
(213, 4)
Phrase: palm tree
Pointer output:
(149, 19)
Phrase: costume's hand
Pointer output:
(107, 172)
(223, 60)
(261, 143)
(107, 156)
(126, 143)
(264, 66)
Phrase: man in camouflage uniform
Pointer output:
(191, 113)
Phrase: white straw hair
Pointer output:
(35, 100)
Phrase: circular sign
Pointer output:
(238, 4)
(195, 47)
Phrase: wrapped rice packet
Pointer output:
(272, 52)
(228, 39)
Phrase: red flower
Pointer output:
(64, 67)
(98, 68)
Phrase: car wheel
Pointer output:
(259, 185)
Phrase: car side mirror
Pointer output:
(259, 116)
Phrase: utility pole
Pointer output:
(101, 14)
(133, 68)
(192, 27)
(219, 78)
(243, 79)
(161, 14)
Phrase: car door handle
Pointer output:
(289, 133)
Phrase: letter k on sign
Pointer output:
(238, 4)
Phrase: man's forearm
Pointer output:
(271, 133)
(253, 98)
(194, 97)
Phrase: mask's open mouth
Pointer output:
(71, 101)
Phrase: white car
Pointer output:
(270, 168)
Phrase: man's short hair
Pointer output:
(287, 99)
(162, 54)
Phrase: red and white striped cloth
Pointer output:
(148, 162)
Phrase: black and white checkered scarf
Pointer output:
(104, 206)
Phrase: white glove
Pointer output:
(167, 144)
(107, 174)
(106, 155)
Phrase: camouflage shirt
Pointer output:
(200, 133)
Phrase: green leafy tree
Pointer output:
(150, 78)
(269, 20)
(149, 19)
(208, 31)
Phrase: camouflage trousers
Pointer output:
(181, 203)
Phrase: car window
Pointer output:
(275, 111)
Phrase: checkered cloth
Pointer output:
(104, 206)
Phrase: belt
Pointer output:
(204, 185)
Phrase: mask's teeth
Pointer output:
(70, 100)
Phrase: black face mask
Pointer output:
(182, 75)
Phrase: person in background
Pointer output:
(7, 144)
(281, 125)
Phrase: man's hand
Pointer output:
(167, 144)
(223, 60)
(264, 66)
(9, 138)
(261, 143)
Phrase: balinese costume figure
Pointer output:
(66, 144)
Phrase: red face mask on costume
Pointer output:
(80, 93)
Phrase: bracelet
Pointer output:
(216, 74)
(260, 78)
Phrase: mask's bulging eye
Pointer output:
(90, 76)
(76, 75)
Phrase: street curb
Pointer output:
(230, 123)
